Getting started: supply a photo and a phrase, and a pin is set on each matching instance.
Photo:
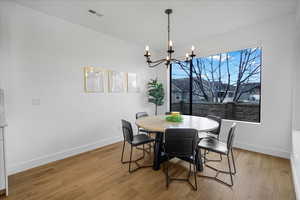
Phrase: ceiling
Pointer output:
(144, 22)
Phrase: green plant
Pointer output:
(175, 118)
(156, 93)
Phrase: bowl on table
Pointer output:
(174, 117)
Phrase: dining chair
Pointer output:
(182, 143)
(138, 116)
(134, 141)
(225, 149)
(214, 134)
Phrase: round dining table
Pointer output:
(158, 124)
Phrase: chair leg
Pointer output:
(229, 166)
(233, 162)
(123, 153)
(221, 171)
(130, 159)
(204, 160)
(136, 161)
(195, 174)
(211, 160)
(167, 174)
(169, 179)
(150, 146)
(148, 150)
(122, 157)
(190, 170)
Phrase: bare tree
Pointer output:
(214, 76)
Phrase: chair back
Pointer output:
(217, 119)
(181, 141)
(230, 137)
(127, 131)
(141, 114)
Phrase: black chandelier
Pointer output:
(170, 50)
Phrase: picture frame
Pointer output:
(117, 81)
(132, 83)
(94, 79)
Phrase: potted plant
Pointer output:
(156, 93)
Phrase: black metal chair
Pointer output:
(140, 115)
(214, 134)
(182, 143)
(134, 141)
(216, 146)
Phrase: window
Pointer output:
(226, 84)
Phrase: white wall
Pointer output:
(42, 58)
(277, 38)
(296, 108)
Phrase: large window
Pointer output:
(226, 84)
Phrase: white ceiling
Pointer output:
(144, 22)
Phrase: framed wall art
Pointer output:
(132, 82)
(94, 79)
(117, 81)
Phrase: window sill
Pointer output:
(240, 122)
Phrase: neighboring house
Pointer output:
(253, 93)
(181, 88)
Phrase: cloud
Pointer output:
(223, 57)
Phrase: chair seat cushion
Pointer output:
(141, 139)
(202, 135)
(213, 145)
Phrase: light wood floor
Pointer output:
(100, 175)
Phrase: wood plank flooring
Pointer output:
(100, 175)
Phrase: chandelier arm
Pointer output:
(176, 60)
(152, 66)
(157, 61)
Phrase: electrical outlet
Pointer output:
(36, 102)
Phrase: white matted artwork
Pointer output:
(117, 81)
(132, 82)
(94, 79)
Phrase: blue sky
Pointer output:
(233, 65)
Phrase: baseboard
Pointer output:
(295, 180)
(22, 166)
(264, 150)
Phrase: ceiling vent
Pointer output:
(95, 13)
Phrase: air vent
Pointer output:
(95, 13)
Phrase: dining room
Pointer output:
(149, 99)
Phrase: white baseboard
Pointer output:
(22, 166)
(295, 180)
(264, 150)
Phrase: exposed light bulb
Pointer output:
(187, 55)
(193, 48)
(168, 58)
(170, 43)
(147, 48)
